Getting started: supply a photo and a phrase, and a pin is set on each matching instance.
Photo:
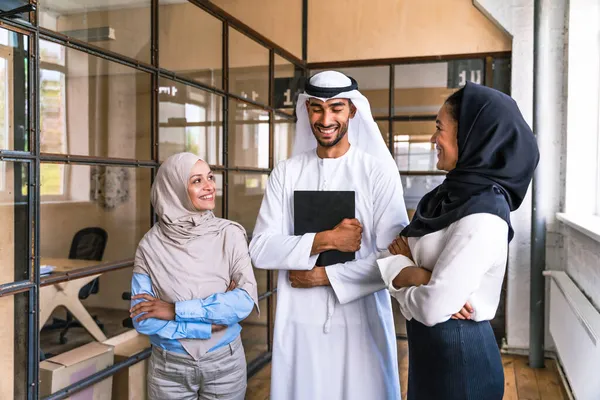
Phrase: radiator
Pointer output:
(575, 329)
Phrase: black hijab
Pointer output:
(497, 154)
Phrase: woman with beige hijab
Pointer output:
(192, 285)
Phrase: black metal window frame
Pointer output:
(487, 79)
(34, 158)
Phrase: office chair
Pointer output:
(127, 322)
(87, 244)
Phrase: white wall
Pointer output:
(571, 155)
(516, 17)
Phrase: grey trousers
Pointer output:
(220, 374)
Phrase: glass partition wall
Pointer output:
(405, 96)
(93, 97)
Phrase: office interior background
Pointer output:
(94, 94)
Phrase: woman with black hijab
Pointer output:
(448, 264)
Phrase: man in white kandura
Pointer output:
(334, 330)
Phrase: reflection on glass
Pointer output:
(13, 345)
(374, 84)
(384, 128)
(190, 119)
(93, 107)
(218, 211)
(286, 86)
(254, 332)
(14, 56)
(415, 187)
(413, 150)
(248, 68)
(261, 280)
(14, 208)
(283, 140)
(248, 135)
(113, 198)
(119, 26)
(180, 28)
(501, 75)
(245, 195)
(420, 89)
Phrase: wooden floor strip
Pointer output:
(549, 382)
(527, 386)
(521, 382)
(510, 379)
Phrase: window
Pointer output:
(249, 135)
(598, 163)
(4, 109)
(249, 68)
(190, 119)
(374, 84)
(119, 26)
(283, 139)
(413, 150)
(198, 60)
(53, 115)
(109, 112)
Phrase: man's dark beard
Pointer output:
(343, 129)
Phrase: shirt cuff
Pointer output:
(189, 310)
(199, 330)
(390, 267)
(400, 295)
(307, 240)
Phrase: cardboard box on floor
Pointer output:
(130, 383)
(71, 367)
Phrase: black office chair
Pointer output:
(127, 322)
(87, 244)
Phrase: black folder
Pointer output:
(318, 211)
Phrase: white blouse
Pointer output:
(467, 260)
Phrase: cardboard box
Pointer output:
(71, 367)
(130, 383)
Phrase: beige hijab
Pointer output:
(191, 254)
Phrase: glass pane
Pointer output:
(107, 308)
(421, 89)
(248, 136)
(92, 107)
(218, 211)
(374, 84)
(200, 60)
(14, 57)
(283, 140)
(461, 71)
(190, 119)
(415, 187)
(245, 195)
(14, 208)
(248, 68)
(261, 280)
(384, 128)
(113, 198)
(286, 88)
(412, 149)
(254, 332)
(120, 26)
(10, 5)
(13, 345)
(501, 75)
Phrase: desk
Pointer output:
(66, 294)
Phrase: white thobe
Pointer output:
(333, 342)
